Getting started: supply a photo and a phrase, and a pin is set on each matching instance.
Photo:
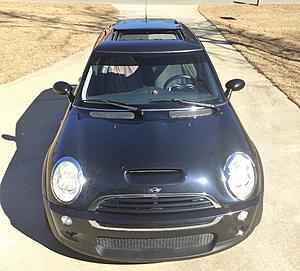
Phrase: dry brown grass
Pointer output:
(268, 37)
(35, 35)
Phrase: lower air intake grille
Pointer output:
(191, 241)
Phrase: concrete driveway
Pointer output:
(30, 114)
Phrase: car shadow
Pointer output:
(20, 191)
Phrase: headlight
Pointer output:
(240, 175)
(66, 180)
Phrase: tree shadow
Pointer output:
(278, 59)
(278, 47)
(95, 22)
(273, 46)
(20, 191)
(206, 32)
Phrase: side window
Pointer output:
(86, 84)
(187, 34)
(103, 35)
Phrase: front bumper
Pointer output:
(158, 245)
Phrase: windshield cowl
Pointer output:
(152, 107)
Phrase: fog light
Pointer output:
(66, 220)
(242, 215)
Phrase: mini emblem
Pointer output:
(154, 190)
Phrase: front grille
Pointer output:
(191, 241)
(150, 204)
(155, 211)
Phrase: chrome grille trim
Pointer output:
(95, 224)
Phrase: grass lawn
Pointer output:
(268, 36)
(35, 35)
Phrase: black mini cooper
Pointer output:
(151, 162)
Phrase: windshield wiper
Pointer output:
(205, 105)
(133, 109)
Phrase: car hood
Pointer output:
(197, 148)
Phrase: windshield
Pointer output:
(146, 79)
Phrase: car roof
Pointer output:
(142, 47)
(139, 24)
(110, 43)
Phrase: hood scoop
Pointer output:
(112, 115)
(190, 113)
(153, 177)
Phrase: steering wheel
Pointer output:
(179, 86)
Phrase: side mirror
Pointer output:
(62, 88)
(234, 85)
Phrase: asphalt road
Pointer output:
(30, 114)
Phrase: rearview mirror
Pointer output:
(62, 87)
(234, 85)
